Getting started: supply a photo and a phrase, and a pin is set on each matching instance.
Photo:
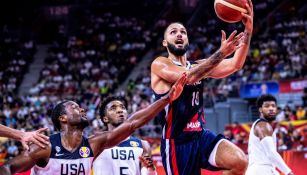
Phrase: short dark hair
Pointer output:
(107, 100)
(264, 98)
(57, 111)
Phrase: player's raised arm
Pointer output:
(138, 119)
(264, 131)
(25, 137)
(25, 161)
(231, 65)
(164, 68)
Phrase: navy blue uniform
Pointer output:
(185, 144)
(62, 161)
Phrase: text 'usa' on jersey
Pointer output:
(64, 162)
(185, 115)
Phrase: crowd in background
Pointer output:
(289, 136)
(92, 63)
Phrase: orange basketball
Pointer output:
(230, 10)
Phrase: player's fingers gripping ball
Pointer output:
(230, 10)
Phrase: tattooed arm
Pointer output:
(229, 66)
(167, 71)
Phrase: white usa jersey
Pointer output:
(256, 154)
(121, 159)
(63, 162)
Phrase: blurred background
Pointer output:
(85, 50)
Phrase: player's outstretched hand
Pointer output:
(147, 162)
(36, 137)
(177, 88)
(230, 44)
(248, 18)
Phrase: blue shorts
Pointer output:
(188, 157)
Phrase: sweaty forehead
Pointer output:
(269, 102)
(114, 103)
(71, 103)
(174, 26)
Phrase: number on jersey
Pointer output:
(195, 99)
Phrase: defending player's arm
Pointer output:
(148, 167)
(165, 69)
(25, 137)
(138, 119)
(264, 131)
(25, 161)
(231, 65)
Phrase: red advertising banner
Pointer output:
(289, 86)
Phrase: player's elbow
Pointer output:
(237, 67)
(241, 163)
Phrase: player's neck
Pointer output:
(182, 60)
(71, 139)
(111, 127)
(269, 121)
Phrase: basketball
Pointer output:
(230, 10)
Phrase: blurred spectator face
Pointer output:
(228, 134)
(269, 110)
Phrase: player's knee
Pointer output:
(240, 163)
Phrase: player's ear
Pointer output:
(105, 119)
(260, 110)
(164, 43)
(63, 118)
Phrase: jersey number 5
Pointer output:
(195, 99)
(121, 170)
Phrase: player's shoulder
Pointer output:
(262, 123)
(161, 59)
(263, 128)
(145, 143)
(131, 142)
(146, 147)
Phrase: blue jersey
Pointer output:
(62, 161)
(184, 118)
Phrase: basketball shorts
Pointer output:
(256, 169)
(187, 158)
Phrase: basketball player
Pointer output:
(69, 151)
(185, 146)
(25, 137)
(262, 154)
(124, 157)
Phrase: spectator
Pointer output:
(300, 113)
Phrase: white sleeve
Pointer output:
(268, 145)
(148, 171)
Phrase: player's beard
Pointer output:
(270, 118)
(177, 51)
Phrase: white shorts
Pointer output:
(256, 169)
